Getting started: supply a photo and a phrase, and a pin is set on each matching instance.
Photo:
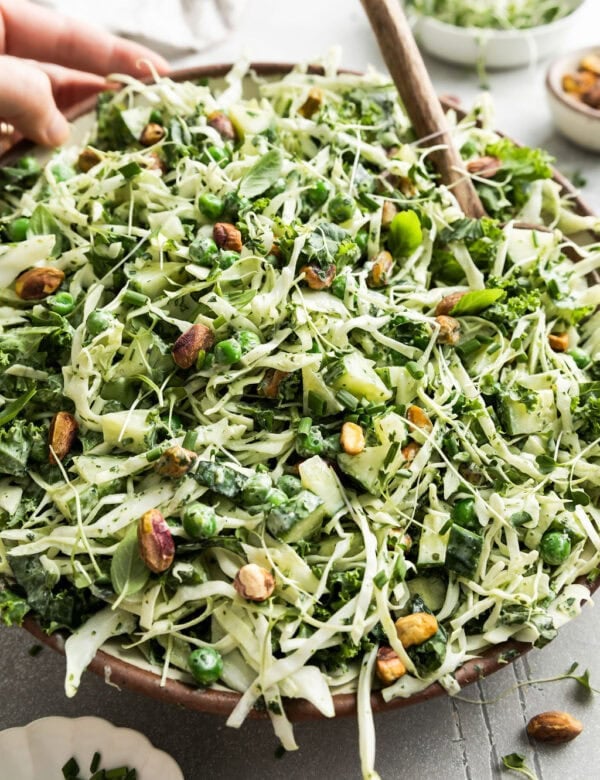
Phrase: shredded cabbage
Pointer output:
(340, 429)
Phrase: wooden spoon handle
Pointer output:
(411, 78)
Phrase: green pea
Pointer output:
(62, 303)
(361, 239)
(218, 154)
(341, 208)
(317, 194)
(247, 340)
(17, 230)
(555, 547)
(290, 485)
(29, 164)
(276, 497)
(256, 489)
(206, 665)
(62, 172)
(310, 443)
(406, 233)
(199, 521)
(98, 321)
(204, 251)
(581, 358)
(338, 287)
(228, 351)
(463, 514)
(210, 205)
(227, 258)
(156, 117)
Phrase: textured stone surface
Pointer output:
(446, 739)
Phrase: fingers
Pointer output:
(27, 102)
(32, 31)
(71, 86)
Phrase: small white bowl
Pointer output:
(500, 49)
(577, 121)
(43, 747)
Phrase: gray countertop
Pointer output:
(444, 738)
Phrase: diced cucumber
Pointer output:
(146, 355)
(167, 224)
(298, 518)
(154, 278)
(129, 430)
(521, 420)
(359, 377)
(463, 551)
(369, 467)
(319, 478)
(10, 497)
(526, 247)
(313, 382)
(135, 119)
(327, 547)
(251, 118)
(431, 589)
(403, 383)
(64, 499)
(433, 544)
(533, 537)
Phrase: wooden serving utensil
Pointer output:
(406, 66)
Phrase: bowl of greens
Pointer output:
(493, 34)
(282, 433)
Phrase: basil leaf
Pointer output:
(130, 171)
(545, 463)
(128, 572)
(476, 301)
(42, 223)
(262, 175)
(12, 410)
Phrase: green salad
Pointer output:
(495, 14)
(274, 415)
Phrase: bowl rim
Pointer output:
(492, 32)
(222, 702)
(557, 69)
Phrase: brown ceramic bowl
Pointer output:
(127, 675)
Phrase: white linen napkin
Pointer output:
(171, 27)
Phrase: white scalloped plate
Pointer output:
(40, 750)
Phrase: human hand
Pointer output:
(49, 62)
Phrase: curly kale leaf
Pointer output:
(57, 604)
(220, 478)
(429, 655)
(18, 442)
(329, 244)
(32, 495)
(481, 237)
(517, 303)
(588, 413)
(409, 332)
(13, 608)
(521, 162)
(520, 166)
